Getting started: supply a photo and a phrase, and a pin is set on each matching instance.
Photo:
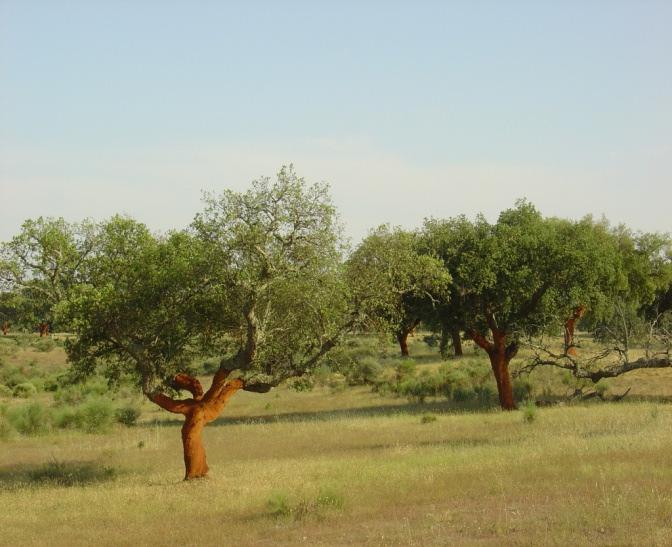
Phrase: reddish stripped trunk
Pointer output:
(5, 328)
(500, 356)
(198, 411)
(570, 325)
(402, 338)
(44, 329)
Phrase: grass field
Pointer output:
(332, 467)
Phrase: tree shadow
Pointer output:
(56, 473)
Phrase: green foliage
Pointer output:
(40, 265)
(7, 430)
(44, 344)
(522, 389)
(392, 284)
(127, 415)
(365, 371)
(6, 391)
(302, 383)
(30, 419)
(427, 419)
(280, 504)
(93, 416)
(529, 411)
(24, 390)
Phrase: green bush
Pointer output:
(364, 371)
(96, 415)
(30, 419)
(529, 412)
(522, 389)
(7, 430)
(44, 344)
(5, 391)
(302, 383)
(127, 415)
(25, 390)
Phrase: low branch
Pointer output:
(190, 384)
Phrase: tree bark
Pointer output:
(500, 355)
(5, 328)
(457, 342)
(198, 411)
(402, 338)
(570, 325)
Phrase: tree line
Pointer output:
(264, 280)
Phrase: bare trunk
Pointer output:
(195, 464)
(5, 328)
(500, 368)
(500, 355)
(570, 325)
(198, 411)
(44, 329)
(457, 342)
(402, 338)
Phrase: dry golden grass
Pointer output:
(323, 468)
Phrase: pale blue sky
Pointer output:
(408, 109)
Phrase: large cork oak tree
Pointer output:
(254, 281)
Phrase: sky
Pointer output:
(407, 109)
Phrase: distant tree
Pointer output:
(257, 280)
(511, 280)
(41, 264)
(393, 284)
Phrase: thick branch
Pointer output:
(190, 384)
(182, 406)
(481, 340)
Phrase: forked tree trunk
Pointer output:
(500, 356)
(198, 411)
(570, 325)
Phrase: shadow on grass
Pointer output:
(413, 409)
(55, 473)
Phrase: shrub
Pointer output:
(427, 419)
(418, 389)
(278, 505)
(404, 369)
(25, 390)
(462, 394)
(522, 389)
(7, 430)
(44, 344)
(529, 412)
(601, 389)
(5, 391)
(363, 371)
(127, 415)
(302, 383)
(30, 419)
(485, 393)
(96, 415)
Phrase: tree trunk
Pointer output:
(500, 355)
(198, 411)
(570, 325)
(500, 368)
(195, 464)
(457, 342)
(402, 338)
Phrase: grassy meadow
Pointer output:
(341, 464)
